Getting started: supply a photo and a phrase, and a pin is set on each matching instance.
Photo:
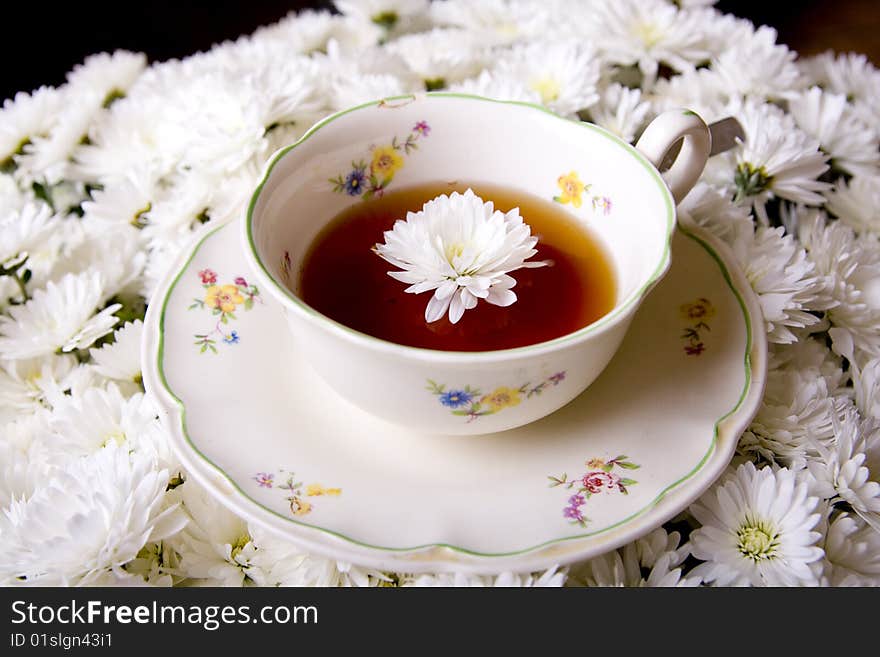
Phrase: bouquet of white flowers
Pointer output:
(104, 179)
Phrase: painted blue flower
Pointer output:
(232, 338)
(455, 398)
(354, 182)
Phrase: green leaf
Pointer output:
(628, 466)
(607, 467)
(223, 318)
(248, 303)
(628, 482)
(462, 413)
(204, 347)
(213, 348)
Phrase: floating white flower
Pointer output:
(61, 316)
(463, 249)
(853, 146)
(92, 516)
(857, 202)
(658, 555)
(757, 529)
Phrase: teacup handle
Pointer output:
(663, 133)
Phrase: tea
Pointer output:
(343, 279)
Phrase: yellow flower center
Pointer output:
(547, 88)
(240, 544)
(648, 33)
(757, 542)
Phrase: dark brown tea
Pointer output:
(343, 279)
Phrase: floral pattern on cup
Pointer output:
(295, 492)
(223, 301)
(472, 403)
(572, 190)
(599, 478)
(697, 315)
(369, 179)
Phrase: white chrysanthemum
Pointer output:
(497, 86)
(851, 75)
(700, 90)
(825, 116)
(441, 56)
(285, 89)
(852, 548)
(215, 547)
(25, 117)
(463, 249)
(121, 359)
(48, 158)
(775, 159)
(387, 13)
(552, 577)
(27, 385)
(564, 73)
(156, 564)
(757, 529)
(92, 516)
(124, 202)
(758, 67)
(785, 280)
(494, 21)
(647, 33)
(712, 210)
(276, 562)
(348, 91)
(866, 381)
(24, 457)
(303, 32)
(142, 133)
(12, 197)
(857, 202)
(840, 472)
(851, 267)
(60, 316)
(24, 229)
(621, 110)
(107, 75)
(804, 395)
(97, 417)
(652, 561)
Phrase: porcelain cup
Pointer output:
(613, 188)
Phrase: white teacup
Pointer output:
(625, 202)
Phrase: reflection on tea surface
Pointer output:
(343, 279)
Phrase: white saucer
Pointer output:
(259, 429)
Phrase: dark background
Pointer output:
(40, 42)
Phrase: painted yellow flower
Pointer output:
(224, 297)
(501, 398)
(298, 506)
(572, 188)
(386, 162)
(595, 464)
(314, 490)
(700, 310)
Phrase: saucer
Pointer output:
(259, 429)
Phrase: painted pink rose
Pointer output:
(208, 277)
(597, 481)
